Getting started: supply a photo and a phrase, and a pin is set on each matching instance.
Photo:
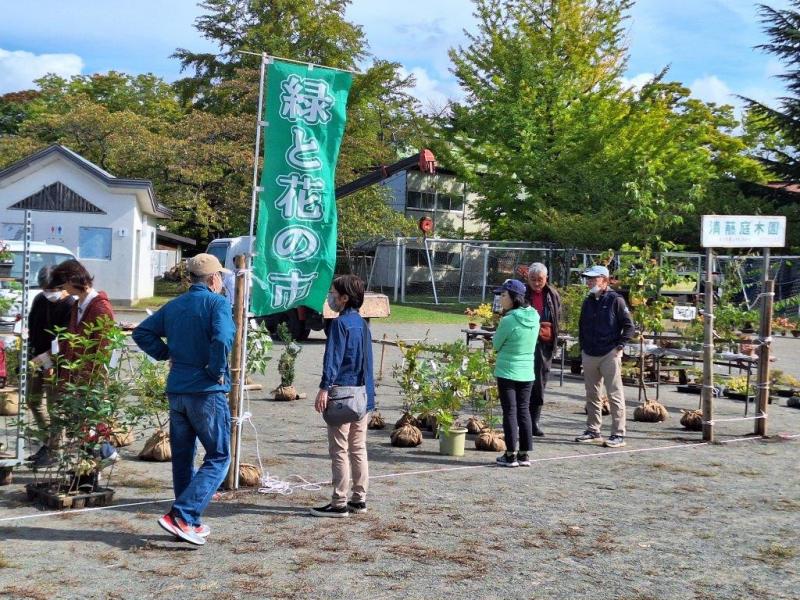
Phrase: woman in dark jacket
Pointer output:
(545, 299)
(50, 309)
(347, 362)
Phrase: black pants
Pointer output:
(515, 400)
(541, 370)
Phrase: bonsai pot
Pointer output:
(473, 325)
(451, 441)
(739, 396)
(493, 327)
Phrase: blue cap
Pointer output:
(595, 271)
(511, 285)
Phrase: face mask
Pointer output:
(332, 303)
(595, 290)
(53, 296)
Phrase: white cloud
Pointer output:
(431, 92)
(18, 68)
(637, 81)
(712, 89)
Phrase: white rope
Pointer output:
(713, 421)
(269, 483)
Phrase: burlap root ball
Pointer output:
(606, 406)
(157, 447)
(406, 436)
(793, 402)
(406, 419)
(490, 441)
(650, 412)
(249, 475)
(376, 421)
(475, 425)
(692, 420)
(427, 422)
(285, 393)
(121, 436)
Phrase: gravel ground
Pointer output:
(665, 518)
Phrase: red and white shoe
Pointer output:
(180, 529)
(202, 530)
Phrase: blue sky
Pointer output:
(708, 43)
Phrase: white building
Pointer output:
(109, 223)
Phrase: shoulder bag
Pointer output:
(348, 403)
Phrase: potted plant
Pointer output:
(490, 439)
(6, 260)
(482, 315)
(737, 389)
(90, 407)
(286, 390)
(150, 383)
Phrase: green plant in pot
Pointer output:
(152, 408)
(286, 390)
(90, 408)
(452, 386)
(6, 259)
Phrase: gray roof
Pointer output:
(174, 237)
(107, 178)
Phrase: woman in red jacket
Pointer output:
(72, 277)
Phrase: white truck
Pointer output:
(303, 319)
(42, 254)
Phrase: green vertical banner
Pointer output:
(295, 247)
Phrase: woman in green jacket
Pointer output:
(514, 342)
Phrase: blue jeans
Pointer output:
(192, 417)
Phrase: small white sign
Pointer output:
(684, 313)
(743, 231)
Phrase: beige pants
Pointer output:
(598, 371)
(41, 397)
(347, 445)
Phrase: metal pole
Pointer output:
(485, 270)
(396, 268)
(403, 274)
(23, 351)
(246, 279)
(708, 354)
(430, 268)
(765, 337)
(461, 275)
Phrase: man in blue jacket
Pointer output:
(199, 331)
(604, 328)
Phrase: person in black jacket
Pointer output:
(604, 328)
(51, 308)
(545, 299)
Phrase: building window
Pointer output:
(450, 202)
(427, 200)
(420, 200)
(94, 242)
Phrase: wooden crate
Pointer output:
(44, 493)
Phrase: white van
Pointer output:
(42, 254)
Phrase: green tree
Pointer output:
(560, 149)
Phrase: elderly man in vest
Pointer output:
(604, 328)
(545, 299)
(199, 331)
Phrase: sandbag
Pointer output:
(376, 421)
(285, 393)
(406, 436)
(490, 441)
(650, 412)
(157, 447)
(606, 406)
(475, 425)
(692, 420)
(249, 475)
